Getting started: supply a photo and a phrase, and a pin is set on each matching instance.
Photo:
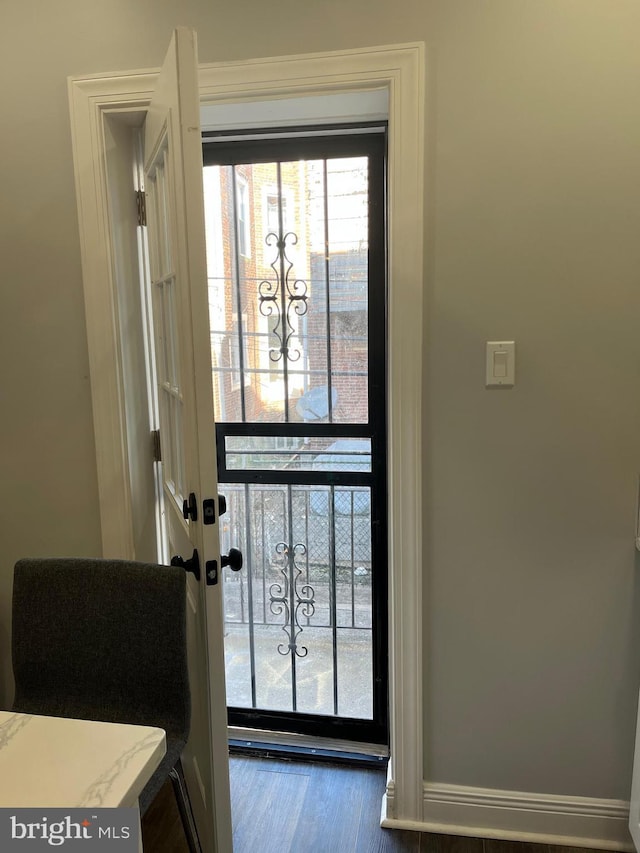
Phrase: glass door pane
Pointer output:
(298, 619)
(289, 290)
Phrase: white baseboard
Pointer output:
(539, 818)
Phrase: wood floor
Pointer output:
(295, 807)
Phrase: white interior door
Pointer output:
(173, 184)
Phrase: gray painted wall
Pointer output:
(533, 168)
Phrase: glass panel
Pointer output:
(168, 438)
(355, 675)
(170, 317)
(347, 202)
(287, 255)
(298, 615)
(152, 216)
(179, 475)
(297, 453)
(164, 174)
(160, 320)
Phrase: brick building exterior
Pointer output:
(325, 271)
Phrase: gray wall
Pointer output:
(531, 604)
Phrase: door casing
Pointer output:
(123, 97)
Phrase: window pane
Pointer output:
(287, 254)
(306, 589)
(297, 453)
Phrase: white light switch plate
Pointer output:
(501, 363)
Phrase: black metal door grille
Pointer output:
(298, 330)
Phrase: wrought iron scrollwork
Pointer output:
(289, 599)
(283, 297)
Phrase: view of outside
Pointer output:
(321, 317)
(287, 251)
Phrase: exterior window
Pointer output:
(271, 218)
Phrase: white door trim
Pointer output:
(399, 68)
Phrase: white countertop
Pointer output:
(59, 762)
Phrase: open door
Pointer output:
(173, 186)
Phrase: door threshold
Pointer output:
(269, 744)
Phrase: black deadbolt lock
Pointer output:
(208, 511)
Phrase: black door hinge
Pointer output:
(141, 206)
(157, 450)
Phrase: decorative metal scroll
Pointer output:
(286, 598)
(283, 297)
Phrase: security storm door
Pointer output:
(173, 184)
(296, 268)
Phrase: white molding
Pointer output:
(400, 69)
(517, 816)
(87, 132)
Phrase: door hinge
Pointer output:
(157, 450)
(141, 206)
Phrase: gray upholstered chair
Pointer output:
(106, 640)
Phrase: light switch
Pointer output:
(501, 363)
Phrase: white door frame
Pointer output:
(400, 69)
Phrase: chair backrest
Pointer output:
(103, 640)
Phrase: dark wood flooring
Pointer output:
(161, 826)
(297, 807)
